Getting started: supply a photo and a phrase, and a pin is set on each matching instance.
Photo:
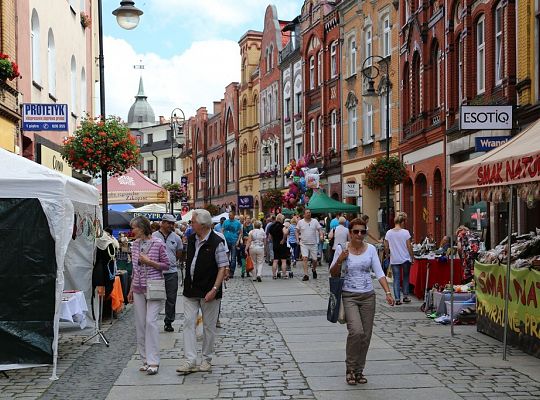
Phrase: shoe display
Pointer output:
(305, 278)
(168, 328)
(205, 366)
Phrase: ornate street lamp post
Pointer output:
(370, 72)
(127, 16)
(177, 121)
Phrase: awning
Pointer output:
(517, 162)
(134, 187)
(321, 203)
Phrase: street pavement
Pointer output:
(275, 343)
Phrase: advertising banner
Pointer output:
(484, 143)
(523, 310)
(45, 117)
(351, 190)
(485, 117)
(245, 202)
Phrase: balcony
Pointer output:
(414, 127)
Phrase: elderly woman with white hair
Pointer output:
(206, 261)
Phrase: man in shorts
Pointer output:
(308, 233)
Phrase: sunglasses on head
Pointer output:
(359, 231)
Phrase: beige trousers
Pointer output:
(146, 314)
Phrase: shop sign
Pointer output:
(53, 160)
(184, 182)
(489, 143)
(350, 190)
(135, 196)
(154, 216)
(245, 202)
(45, 117)
(485, 117)
(514, 170)
(523, 307)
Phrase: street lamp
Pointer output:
(177, 121)
(125, 18)
(370, 72)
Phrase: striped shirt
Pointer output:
(156, 252)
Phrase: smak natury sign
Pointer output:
(45, 117)
(485, 117)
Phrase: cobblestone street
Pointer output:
(275, 343)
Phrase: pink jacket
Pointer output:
(157, 253)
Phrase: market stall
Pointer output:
(134, 187)
(439, 273)
(47, 223)
(498, 176)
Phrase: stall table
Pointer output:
(74, 307)
(439, 272)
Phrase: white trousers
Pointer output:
(257, 255)
(210, 312)
(146, 314)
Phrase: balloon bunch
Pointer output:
(303, 181)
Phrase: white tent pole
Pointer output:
(452, 264)
(507, 281)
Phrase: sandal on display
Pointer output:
(360, 378)
(350, 378)
(152, 369)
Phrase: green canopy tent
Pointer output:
(321, 203)
(288, 211)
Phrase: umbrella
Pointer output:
(119, 220)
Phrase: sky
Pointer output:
(189, 50)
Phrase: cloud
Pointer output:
(192, 79)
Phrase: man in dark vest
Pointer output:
(205, 270)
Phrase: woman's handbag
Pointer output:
(155, 288)
(249, 264)
(336, 311)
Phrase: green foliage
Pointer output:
(271, 199)
(383, 171)
(212, 209)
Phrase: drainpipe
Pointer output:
(157, 164)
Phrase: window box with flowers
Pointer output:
(383, 171)
(86, 20)
(8, 69)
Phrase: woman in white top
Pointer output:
(359, 259)
(255, 248)
(398, 242)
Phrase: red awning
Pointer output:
(134, 187)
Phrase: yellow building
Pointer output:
(528, 60)
(9, 105)
(249, 135)
(368, 34)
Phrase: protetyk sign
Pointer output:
(45, 117)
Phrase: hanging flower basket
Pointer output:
(272, 199)
(8, 69)
(382, 172)
(99, 146)
(176, 192)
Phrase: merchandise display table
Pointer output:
(439, 272)
(73, 307)
(440, 300)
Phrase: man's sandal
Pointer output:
(360, 378)
(350, 378)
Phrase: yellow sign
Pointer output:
(53, 160)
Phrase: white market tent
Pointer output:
(61, 197)
(149, 208)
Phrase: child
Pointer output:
(241, 256)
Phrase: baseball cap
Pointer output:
(168, 218)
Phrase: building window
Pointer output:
(415, 86)
(312, 135)
(311, 72)
(83, 92)
(150, 139)
(319, 134)
(51, 63)
(352, 58)
(288, 154)
(384, 114)
(287, 109)
(353, 134)
(498, 44)
(168, 162)
(298, 103)
(333, 128)
(36, 66)
(333, 59)
(387, 38)
(150, 167)
(480, 56)
(368, 123)
(73, 85)
(299, 152)
(460, 71)
(369, 43)
(438, 78)
(319, 68)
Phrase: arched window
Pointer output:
(73, 85)
(256, 108)
(386, 36)
(415, 85)
(369, 44)
(83, 92)
(435, 76)
(244, 71)
(461, 68)
(499, 38)
(352, 56)
(333, 59)
(319, 68)
(51, 63)
(406, 95)
(352, 126)
(263, 110)
(319, 134)
(36, 65)
(480, 55)
(245, 160)
(244, 113)
(333, 128)
(312, 135)
(311, 72)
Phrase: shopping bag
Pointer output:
(249, 264)
(334, 301)
(341, 316)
